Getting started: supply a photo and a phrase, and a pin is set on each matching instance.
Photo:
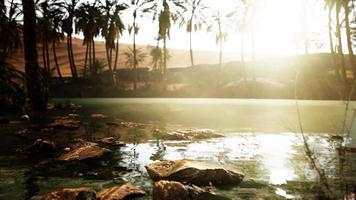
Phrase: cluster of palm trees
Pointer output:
(54, 21)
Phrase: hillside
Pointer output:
(180, 58)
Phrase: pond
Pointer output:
(261, 138)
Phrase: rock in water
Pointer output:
(193, 172)
(122, 192)
(98, 116)
(171, 190)
(84, 151)
(72, 194)
(4, 121)
(66, 122)
(42, 146)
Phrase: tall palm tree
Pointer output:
(330, 5)
(137, 8)
(341, 58)
(194, 20)
(220, 26)
(10, 29)
(88, 22)
(68, 22)
(167, 11)
(112, 28)
(346, 6)
(38, 95)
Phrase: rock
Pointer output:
(189, 134)
(98, 116)
(66, 122)
(25, 117)
(84, 151)
(193, 172)
(111, 141)
(4, 121)
(72, 194)
(42, 146)
(122, 192)
(67, 149)
(171, 190)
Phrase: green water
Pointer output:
(261, 140)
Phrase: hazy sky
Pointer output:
(278, 28)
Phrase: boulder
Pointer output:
(122, 192)
(171, 190)
(188, 134)
(66, 122)
(42, 146)
(72, 194)
(193, 172)
(84, 151)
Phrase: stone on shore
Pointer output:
(172, 190)
(122, 192)
(72, 194)
(188, 134)
(84, 151)
(193, 172)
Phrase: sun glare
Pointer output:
(278, 27)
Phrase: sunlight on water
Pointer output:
(263, 156)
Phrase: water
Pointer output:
(261, 140)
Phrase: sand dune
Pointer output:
(180, 58)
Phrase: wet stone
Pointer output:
(122, 192)
(193, 172)
(84, 151)
(168, 190)
(66, 122)
(72, 194)
(42, 146)
(111, 141)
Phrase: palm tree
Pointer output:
(67, 26)
(194, 21)
(346, 6)
(329, 5)
(38, 95)
(88, 22)
(10, 29)
(138, 9)
(339, 44)
(112, 28)
(140, 57)
(168, 11)
(220, 26)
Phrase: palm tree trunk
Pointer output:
(134, 57)
(165, 62)
(70, 57)
(107, 50)
(48, 61)
(86, 60)
(56, 60)
(93, 46)
(348, 37)
(116, 53)
(38, 96)
(191, 48)
(340, 52)
(44, 57)
(331, 43)
(90, 59)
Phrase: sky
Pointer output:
(278, 29)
